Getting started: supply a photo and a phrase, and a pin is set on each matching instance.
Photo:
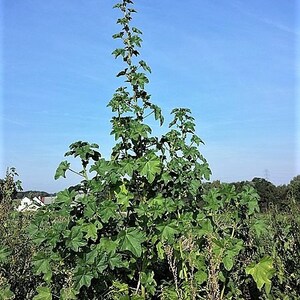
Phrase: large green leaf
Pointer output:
(85, 151)
(90, 209)
(118, 52)
(131, 239)
(108, 209)
(205, 170)
(41, 262)
(61, 170)
(82, 277)
(115, 261)
(144, 65)
(194, 186)
(107, 245)
(33, 228)
(167, 231)
(250, 197)
(159, 205)
(75, 238)
(205, 227)
(96, 259)
(101, 167)
(147, 280)
(160, 250)
(232, 252)
(44, 293)
(101, 263)
(158, 114)
(212, 199)
(91, 231)
(128, 166)
(150, 166)
(91, 256)
(200, 276)
(39, 237)
(228, 262)
(65, 197)
(260, 227)
(123, 197)
(262, 272)
(137, 130)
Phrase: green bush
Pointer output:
(280, 240)
(16, 250)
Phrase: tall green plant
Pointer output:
(17, 280)
(139, 226)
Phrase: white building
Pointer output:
(48, 199)
(30, 204)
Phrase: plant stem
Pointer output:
(76, 172)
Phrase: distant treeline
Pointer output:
(32, 194)
(270, 194)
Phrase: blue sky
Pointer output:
(232, 62)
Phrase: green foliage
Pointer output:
(4, 253)
(6, 293)
(149, 166)
(141, 224)
(44, 293)
(140, 200)
(281, 243)
(42, 265)
(17, 280)
(294, 188)
(262, 272)
(61, 170)
(131, 239)
(9, 188)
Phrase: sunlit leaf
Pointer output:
(150, 166)
(228, 262)
(91, 231)
(262, 272)
(44, 293)
(61, 170)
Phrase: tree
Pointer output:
(267, 191)
(9, 187)
(294, 187)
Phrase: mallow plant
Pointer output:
(139, 225)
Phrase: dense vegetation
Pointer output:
(142, 224)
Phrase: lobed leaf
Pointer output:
(262, 272)
(44, 293)
(131, 239)
(150, 166)
(61, 170)
(82, 277)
